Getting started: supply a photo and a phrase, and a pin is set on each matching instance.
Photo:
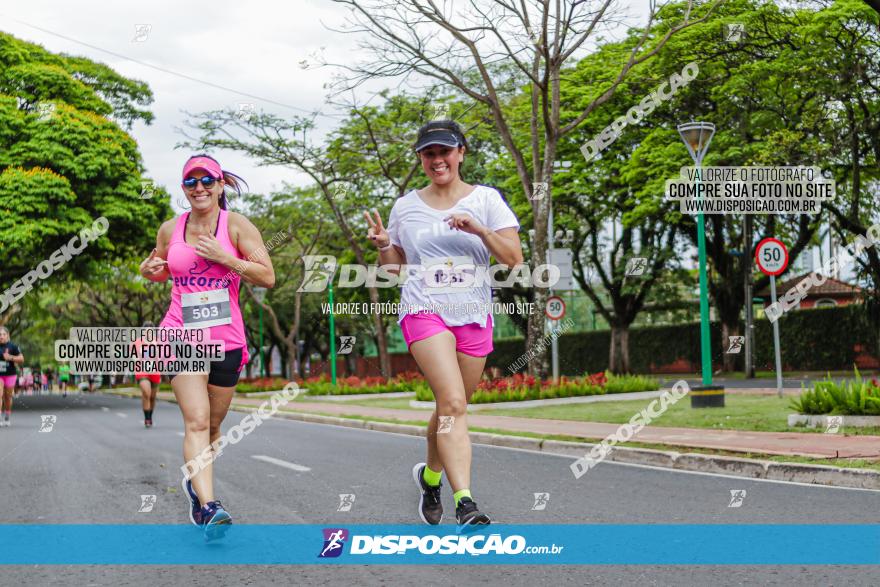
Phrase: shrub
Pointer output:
(259, 384)
(353, 385)
(811, 339)
(525, 387)
(850, 398)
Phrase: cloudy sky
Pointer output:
(253, 47)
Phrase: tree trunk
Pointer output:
(729, 359)
(381, 338)
(618, 355)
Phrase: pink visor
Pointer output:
(205, 164)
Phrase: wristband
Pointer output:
(383, 249)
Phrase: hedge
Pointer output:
(813, 339)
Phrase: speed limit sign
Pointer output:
(555, 308)
(771, 256)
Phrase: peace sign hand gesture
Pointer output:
(376, 231)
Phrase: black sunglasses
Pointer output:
(190, 182)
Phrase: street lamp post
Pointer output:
(331, 269)
(260, 295)
(696, 137)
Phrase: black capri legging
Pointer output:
(224, 373)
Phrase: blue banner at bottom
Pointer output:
(709, 544)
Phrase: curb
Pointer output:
(822, 475)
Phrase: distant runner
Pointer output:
(10, 356)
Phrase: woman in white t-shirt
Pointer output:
(445, 233)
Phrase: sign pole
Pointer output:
(554, 347)
(332, 337)
(772, 259)
(776, 339)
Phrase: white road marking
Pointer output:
(281, 463)
(121, 415)
(181, 434)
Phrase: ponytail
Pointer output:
(234, 182)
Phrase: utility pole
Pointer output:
(747, 278)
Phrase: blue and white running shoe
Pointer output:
(215, 520)
(195, 510)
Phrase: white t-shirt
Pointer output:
(438, 257)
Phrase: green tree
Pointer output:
(65, 159)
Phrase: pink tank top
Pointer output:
(204, 294)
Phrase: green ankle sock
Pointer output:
(432, 478)
(461, 493)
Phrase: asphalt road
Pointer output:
(99, 459)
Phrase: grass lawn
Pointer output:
(771, 375)
(400, 403)
(741, 412)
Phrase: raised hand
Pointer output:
(153, 265)
(376, 232)
(465, 223)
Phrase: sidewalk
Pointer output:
(813, 445)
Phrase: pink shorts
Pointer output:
(470, 339)
(8, 381)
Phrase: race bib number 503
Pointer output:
(202, 309)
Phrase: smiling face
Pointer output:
(200, 197)
(4, 336)
(441, 163)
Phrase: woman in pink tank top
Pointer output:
(198, 251)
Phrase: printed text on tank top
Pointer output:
(200, 265)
